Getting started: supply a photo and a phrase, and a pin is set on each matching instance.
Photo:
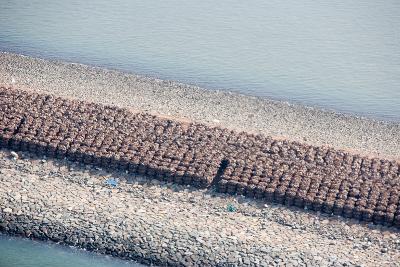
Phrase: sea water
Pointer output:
(339, 55)
(19, 252)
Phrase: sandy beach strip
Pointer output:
(225, 109)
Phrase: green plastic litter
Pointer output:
(230, 208)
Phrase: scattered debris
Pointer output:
(231, 208)
(112, 182)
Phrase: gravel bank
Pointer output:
(164, 223)
(228, 110)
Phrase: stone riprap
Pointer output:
(176, 225)
(319, 178)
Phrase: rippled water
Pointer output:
(342, 55)
(18, 252)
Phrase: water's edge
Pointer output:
(16, 250)
(313, 53)
(215, 107)
(155, 79)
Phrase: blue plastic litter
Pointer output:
(112, 182)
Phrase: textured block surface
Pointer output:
(291, 173)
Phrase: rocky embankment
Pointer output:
(125, 195)
(169, 224)
(291, 173)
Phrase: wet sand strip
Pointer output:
(292, 173)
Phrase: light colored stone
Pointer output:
(7, 210)
(14, 155)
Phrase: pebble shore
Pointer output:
(214, 107)
(168, 224)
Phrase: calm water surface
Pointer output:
(341, 55)
(18, 252)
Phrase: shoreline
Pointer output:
(217, 108)
(41, 252)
